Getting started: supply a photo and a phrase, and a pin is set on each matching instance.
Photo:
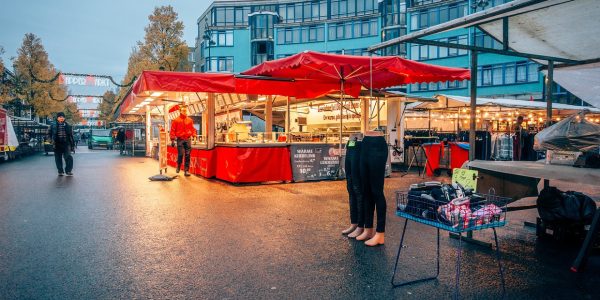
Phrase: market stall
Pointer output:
(448, 120)
(225, 105)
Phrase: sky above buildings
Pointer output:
(91, 37)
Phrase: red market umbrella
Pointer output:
(356, 71)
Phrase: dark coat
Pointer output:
(121, 136)
(53, 134)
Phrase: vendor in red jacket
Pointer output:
(182, 129)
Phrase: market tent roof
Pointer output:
(159, 87)
(560, 30)
(452, 101)
(355, 72)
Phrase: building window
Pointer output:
(222, 38)
(261, 52)
(424, 52)
(262, 26)
(507, 73)
(219, 64)
(436, 15)
(353, 29)
(303, 11)
(296, 35)
(357, 52)
(350, 8)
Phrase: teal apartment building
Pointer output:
(235, 35)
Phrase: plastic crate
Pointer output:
(486, 211)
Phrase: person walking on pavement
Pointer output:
(61, 135)
(121, 140)
(182, 129)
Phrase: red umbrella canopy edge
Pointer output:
(386, 70)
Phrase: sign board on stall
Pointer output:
(315, 162)
(162, 150)
(466, 178)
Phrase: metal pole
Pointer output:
(473, 105)
(549, 80)
(341, 127)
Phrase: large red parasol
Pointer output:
(355, 71)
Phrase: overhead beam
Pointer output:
(482, 17)
(491, 50)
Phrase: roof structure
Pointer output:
(561, 31)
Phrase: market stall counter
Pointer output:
(256, 163)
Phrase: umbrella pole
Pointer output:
(341, 127)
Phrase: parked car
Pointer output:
(100, 138)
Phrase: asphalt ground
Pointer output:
(110, 233)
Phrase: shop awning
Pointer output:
(154, 88)
(356, 72)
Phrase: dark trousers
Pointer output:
(353, 184)
(184, 146)
(63, 151)
(373, 157)
(121, 147)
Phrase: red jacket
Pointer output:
(182, 127)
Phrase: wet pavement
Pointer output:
(108, 232)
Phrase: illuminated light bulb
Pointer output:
(493, 118)
(517, 113)
(464, 110)
(501, 119)
(486, 115)
(530, 115)
(497, 114)
(478, 111)
(597, 120)
(477, 120)
(541, 120)
(465, 121)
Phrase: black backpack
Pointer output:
(565, 207)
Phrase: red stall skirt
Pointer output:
(202, 162)
(253, 164)
(459, 153)
(433, 152)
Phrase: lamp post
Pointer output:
(207, 37)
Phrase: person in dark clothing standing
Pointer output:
(121, 139)
(61, 135)
(182, 130)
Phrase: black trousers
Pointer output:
(184, 147)
(63, 151)
(353, 183)
(373, 157)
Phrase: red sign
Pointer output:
(3, 131)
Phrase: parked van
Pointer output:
(100, 138)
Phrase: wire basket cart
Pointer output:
(461, 214)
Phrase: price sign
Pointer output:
(466, 178)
